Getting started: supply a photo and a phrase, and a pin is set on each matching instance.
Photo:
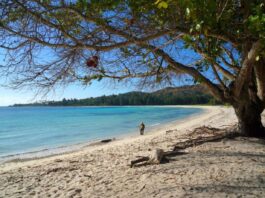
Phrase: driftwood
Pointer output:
(106, 140)
(158, 156)
(140, 160)
(155, 158)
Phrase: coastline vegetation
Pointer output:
(187, 95)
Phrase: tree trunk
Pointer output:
(248, 105)
(249, 119)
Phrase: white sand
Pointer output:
(230, 168)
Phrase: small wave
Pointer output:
(42, 152)
(155, 124)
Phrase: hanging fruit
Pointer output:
(129, 22)
(92, 61)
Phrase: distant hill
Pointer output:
(185, 95)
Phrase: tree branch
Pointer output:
(218, 77)
(245, 72)
(226, 73)
(232, 63)
(216, 91)
(259, 70)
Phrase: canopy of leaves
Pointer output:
(155, 41)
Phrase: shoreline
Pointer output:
(181, 124)
(227, 168)
(71, 148)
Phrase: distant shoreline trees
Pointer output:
(190, 95)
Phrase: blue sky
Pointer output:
(10, 96)
(28, 95)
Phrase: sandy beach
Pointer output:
(229, 168)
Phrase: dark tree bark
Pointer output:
(248, 108)
(247, 96)
(249, 120)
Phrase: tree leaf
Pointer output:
(188, 12)
(162, 4)
(198, 27)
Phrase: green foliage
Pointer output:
(74, 29)
(161, 4)
(256, 21)
(169, 96)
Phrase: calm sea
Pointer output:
(29, 129)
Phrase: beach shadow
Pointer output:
(228, 189)
(166, 159)
(172, 156)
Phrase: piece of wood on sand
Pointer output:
(155, 158)
(158, 155)
(106, 140)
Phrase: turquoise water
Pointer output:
(27, 129)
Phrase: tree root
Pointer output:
(216, 135)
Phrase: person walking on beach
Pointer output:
(142, 127)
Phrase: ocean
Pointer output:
(31, 129)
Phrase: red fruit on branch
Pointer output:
(129, 22)
(92, 61)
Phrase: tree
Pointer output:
(213, 42)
